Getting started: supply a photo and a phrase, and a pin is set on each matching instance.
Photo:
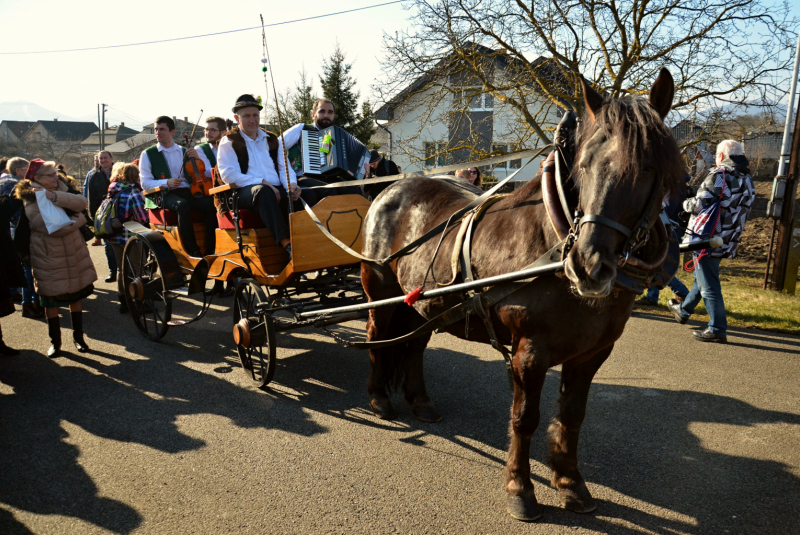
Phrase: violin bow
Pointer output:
(267, 66)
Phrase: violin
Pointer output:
(194, 169)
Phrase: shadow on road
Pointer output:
(638, 442)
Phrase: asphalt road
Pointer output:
(169, 437)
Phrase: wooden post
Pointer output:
(780, 273)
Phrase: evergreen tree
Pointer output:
(364, 126)
(337, 86)
(303, 99)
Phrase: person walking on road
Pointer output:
(729, 187)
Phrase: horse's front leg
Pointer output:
(565, 430)
(530, 370)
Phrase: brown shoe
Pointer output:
(96, 242)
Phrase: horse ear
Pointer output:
(662, 93)
(591, 98)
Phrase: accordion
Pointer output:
(333, 153)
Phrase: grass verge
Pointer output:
(746, 304)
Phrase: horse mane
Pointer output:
(641, 132)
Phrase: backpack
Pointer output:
(104, 224)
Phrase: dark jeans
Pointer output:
(260, 198)
(29, 295)
(183, 203)
(677, 287)
(708, 288)
(112, 261)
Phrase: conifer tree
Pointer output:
(337, 86)
(303, 99)
(364, 126)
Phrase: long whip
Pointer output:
(268, 63)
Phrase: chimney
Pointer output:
(122, 123)
(174, 118)
(56, 119)
(185, 119)
(106, 126)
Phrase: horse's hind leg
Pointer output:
(530, 371)
(565, 430)
(413, 377)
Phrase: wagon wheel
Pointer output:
(145, 289)
(254, 332)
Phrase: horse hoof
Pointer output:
(426, 413)
(383, 409)
(578, 502)
(524, 509)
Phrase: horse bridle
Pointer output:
(636, 236)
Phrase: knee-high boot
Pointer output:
(77, 331)
(4, 349)
(54, 329)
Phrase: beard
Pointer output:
(323, 122)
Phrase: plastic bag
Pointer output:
(55, 218)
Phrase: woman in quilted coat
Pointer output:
(63, 271)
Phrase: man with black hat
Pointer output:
(379, 167)
(252, 160)
(162, 165)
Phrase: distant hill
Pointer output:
(28, 111)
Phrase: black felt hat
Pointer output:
(374, 156)
(246, 101)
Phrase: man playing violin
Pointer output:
(162, 165)
(252, 160)
(207, 152)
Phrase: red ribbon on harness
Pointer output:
(412, 296)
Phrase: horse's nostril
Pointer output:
(599, 269)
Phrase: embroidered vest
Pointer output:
(295, 152)
(206, 147)
(159, 168)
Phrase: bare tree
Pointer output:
(720, 52)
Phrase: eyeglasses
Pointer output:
(473, 171)
(210, 129)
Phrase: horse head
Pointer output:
(626, 161)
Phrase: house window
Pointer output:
(435, 155)
(473, 100)
(503, 149)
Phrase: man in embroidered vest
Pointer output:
(244, 160)
(162, 165)
(323, 114)
(215, 127)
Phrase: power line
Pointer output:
(197, 36)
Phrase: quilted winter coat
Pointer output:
(60, 261)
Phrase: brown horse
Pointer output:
(625, 157)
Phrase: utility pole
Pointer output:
(784, 192)
(103, 128)
(100, 125)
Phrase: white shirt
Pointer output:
(292, 136)
(174, 157)
(202, 155)
(260, 166)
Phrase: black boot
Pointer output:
(4, 349)
(54, 329)
(77, 331)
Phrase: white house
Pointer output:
(437, 121)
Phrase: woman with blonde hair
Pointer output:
(125, 185)
(63, 271)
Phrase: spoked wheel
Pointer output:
(145, 289)
(254, 333)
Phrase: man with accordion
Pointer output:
(326, 152)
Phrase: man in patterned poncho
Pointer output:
(729, 185)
